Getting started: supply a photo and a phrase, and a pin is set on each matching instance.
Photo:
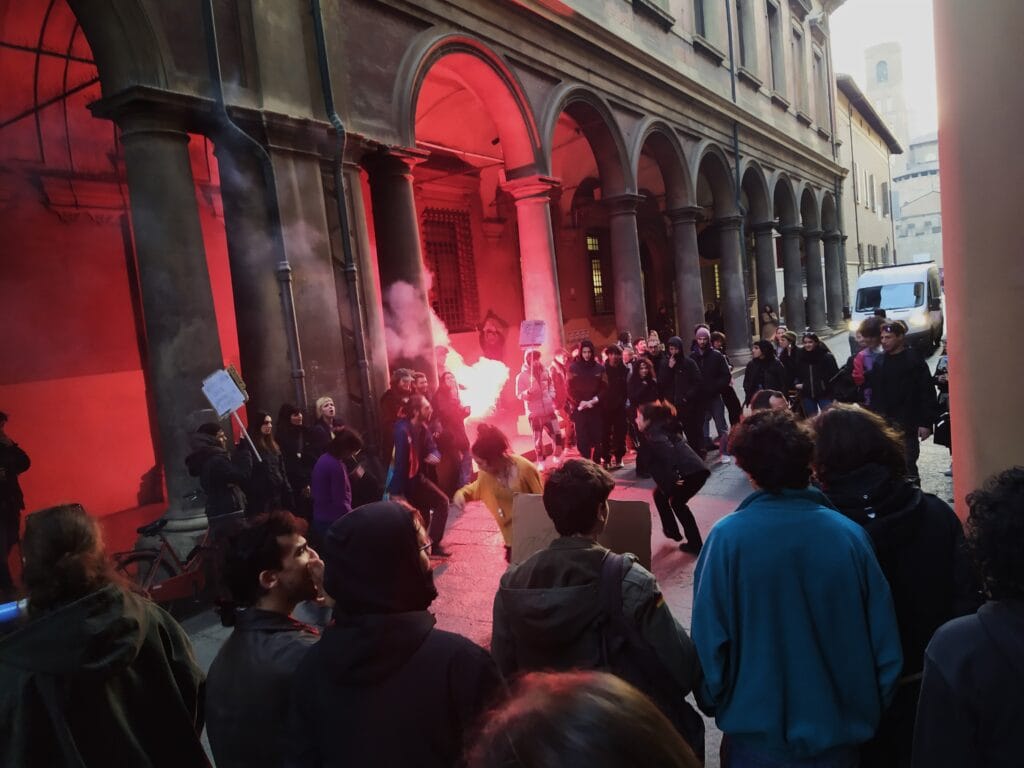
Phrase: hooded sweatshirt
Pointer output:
(536, 390)
(108, 680)
(220, 477)
(383, 687)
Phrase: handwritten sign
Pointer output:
(223, 393)
(533, 333)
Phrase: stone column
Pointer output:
(834, 278)
(735, 311)
(815, 280)
(686, 260)
(984, 279)
(183, 346)
(541, 297)
(628, 290)
(793, 279)
(254, 254)
(764, 249)
(403, 278)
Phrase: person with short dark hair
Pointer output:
(269, 569)
(641, 387)
(714, 377)
(98, 676)
(384, 686)
(613, 403)
(791, 607)
(768, 399)
(678, 472)
(730, 399)
(13, 462)
(391, 403)
(971, 710)
(548, 611)
(869, 336)
(332, 488)
(860, 465)
(592, 719)
(587, 383)
(679, 382)
(902, 391)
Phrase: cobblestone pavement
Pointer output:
(467, 581)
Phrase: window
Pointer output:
(886, 209)
(872, 202)
(820, 90)
(864, 194)
(799, 69)
(448, 252)
(775, 51)
(856, 184)
(882, 72)
(891, 296)
(600, 273)
(699, 21)
(745, 34)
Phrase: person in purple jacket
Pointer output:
(332, 490)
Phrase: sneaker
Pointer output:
(691, 549)
(438, 551)
(723, 459)
(949, 472)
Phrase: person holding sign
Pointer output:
(221, 475)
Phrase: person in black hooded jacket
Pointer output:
(384, 687)
(763, 371)
(587, 383)
(860, 464)
(221, 476)
(680, 383)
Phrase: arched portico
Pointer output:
(722, 247)
(833, 261)
(811, 220)
(760, 227)
(788, 216)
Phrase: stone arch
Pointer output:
(712, 163)
(784, 207)
(598, 125)
(809, 208)
(664, 146)
(486, 75)
(755, 185)
(829, 217)
(127, 48)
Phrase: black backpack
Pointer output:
(626, 654)
(842, 386)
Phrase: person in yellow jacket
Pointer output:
(502, 474)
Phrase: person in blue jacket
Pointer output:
(792, 616)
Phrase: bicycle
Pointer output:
(158, 572)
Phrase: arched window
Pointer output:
(882, 72)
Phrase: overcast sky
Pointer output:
(860, 24)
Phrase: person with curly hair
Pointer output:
(971, 711)
(791, 607)
(860, 465)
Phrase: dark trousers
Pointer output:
(614, 444)
(9, 521)
(912, 447)
(671, 507)
(589, 433)
(432, 504)
(732, 405)
(691, 416)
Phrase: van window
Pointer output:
(894, 296)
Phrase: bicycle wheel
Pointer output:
(143, 570)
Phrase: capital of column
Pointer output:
(535, 189)
(395, 161)
(623, 205)
(142, 110)
(357, 148)
(812, 234)
(689, 215)
(834, 236)
(729, 222)
(763, 228)
(791, 231)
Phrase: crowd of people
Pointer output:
(841, 617)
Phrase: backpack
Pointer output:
(844, 389)
(627, 655)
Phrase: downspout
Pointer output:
(349, 262)
(856, 205)
(736, 153)
(892, 211)
(283, 269)
(838, 183)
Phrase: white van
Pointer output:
(907, 292)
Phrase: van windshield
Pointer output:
(894, 296)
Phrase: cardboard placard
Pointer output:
(223, 392)
(628, 528)
(533, 333)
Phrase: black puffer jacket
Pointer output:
(268, 487)
(714, 372)
(614, 398)
(587, 380)
(668, 457)
(815, 370)
(680, 384)
(763, 373)
(641, 390)
(220, 476)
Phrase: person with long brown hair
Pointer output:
(268, 487)
(97, 675)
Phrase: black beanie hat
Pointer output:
(372, 562)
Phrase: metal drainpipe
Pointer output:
(736, 153)
(837, 184)
(283, 270)
(350, 268)
(856, 205)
